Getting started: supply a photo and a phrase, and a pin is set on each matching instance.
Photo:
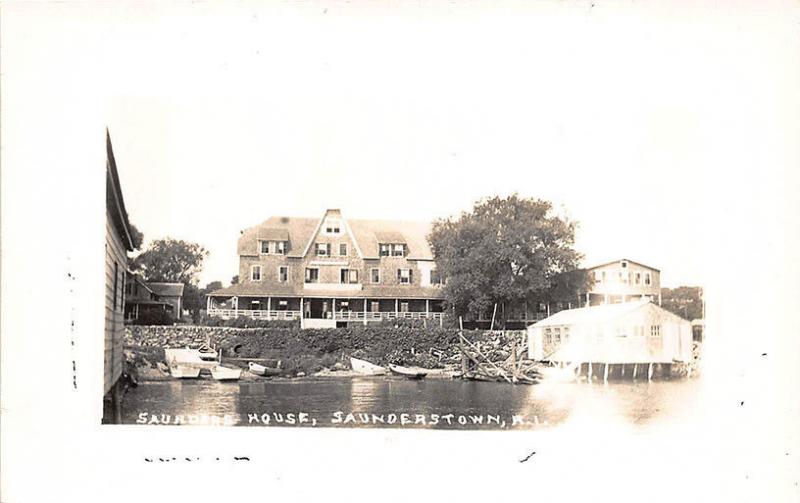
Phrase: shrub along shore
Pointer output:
(313, 351)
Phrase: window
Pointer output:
(264, 247)
(116, 279)
(348, 276)
(384, 250)
(283, 305)
(255, 273)
(280, 247)
(404, 276)
(283, 274)
(603, 276)
(343, 249)
(374, 306)
(598, 277)
(557, 335)
(436, 278)
(655, 330)
(404, 307)
(638, 278)
(375, 273)
(312, 275)
(647, 278)
(323, 249)
(398, 250)
(565, 335)
(542, 307)
(548, 336)
(624, 264)
(332, 226)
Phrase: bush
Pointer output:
(153, 317)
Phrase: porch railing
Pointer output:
(339, 315)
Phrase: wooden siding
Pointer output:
(114, 312)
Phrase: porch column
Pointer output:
(302, 311)
(427, 308)
(659, 298)
(605, 298)
(365, 311)
(587, 299)
(396, 308)
(269, 305)
(548, 308)
(236, 306)
(333, 307)
(208, 304)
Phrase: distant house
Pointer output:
(171, 293)
(118, 243)
(140, 299)
(330, 271)
(638, 332)
(622, 280)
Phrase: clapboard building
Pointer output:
(118, 243)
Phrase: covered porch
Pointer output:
(325, 312)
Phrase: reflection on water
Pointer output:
(388, 402)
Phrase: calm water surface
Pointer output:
(389, 402)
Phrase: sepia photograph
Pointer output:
(432, 250)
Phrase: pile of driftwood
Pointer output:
(477, 365)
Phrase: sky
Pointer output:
(623, 116)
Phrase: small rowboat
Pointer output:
(366, 368)
(184, 372)
(261, 370)
(221, 373)
(409, 372)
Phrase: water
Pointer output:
(371, 402)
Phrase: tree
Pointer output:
(506, 251)
(136, 237)
(685, 301)
(170, 260)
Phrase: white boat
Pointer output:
(366, 368)
(184, 371)
(409, 372)
(261, 370)
(221, 373)
(202, 359)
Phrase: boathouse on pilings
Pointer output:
(631, 339)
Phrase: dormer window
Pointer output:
(385, 250)
(280, 247)
(264, 245)
(398, 250)
(333, 226)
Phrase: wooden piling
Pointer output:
(650, 372)
(635, 365)
(590, 372)
(605, 373)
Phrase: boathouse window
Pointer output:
(404, 276)
(655, 330)
(638, 278)
(623, 264)
(565, 335)
(116, 279)
(255, 273)
(557, 335)
(323, 249)
(343, 249)
(312, 275)
(385, 250)
(375, 306)
(264, 247)
(398, 250)
(548, 335)
(283, 274)
(375, 274)
(647, 278)
(404, 307)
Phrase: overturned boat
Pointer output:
(262, 370)
(366, 368)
